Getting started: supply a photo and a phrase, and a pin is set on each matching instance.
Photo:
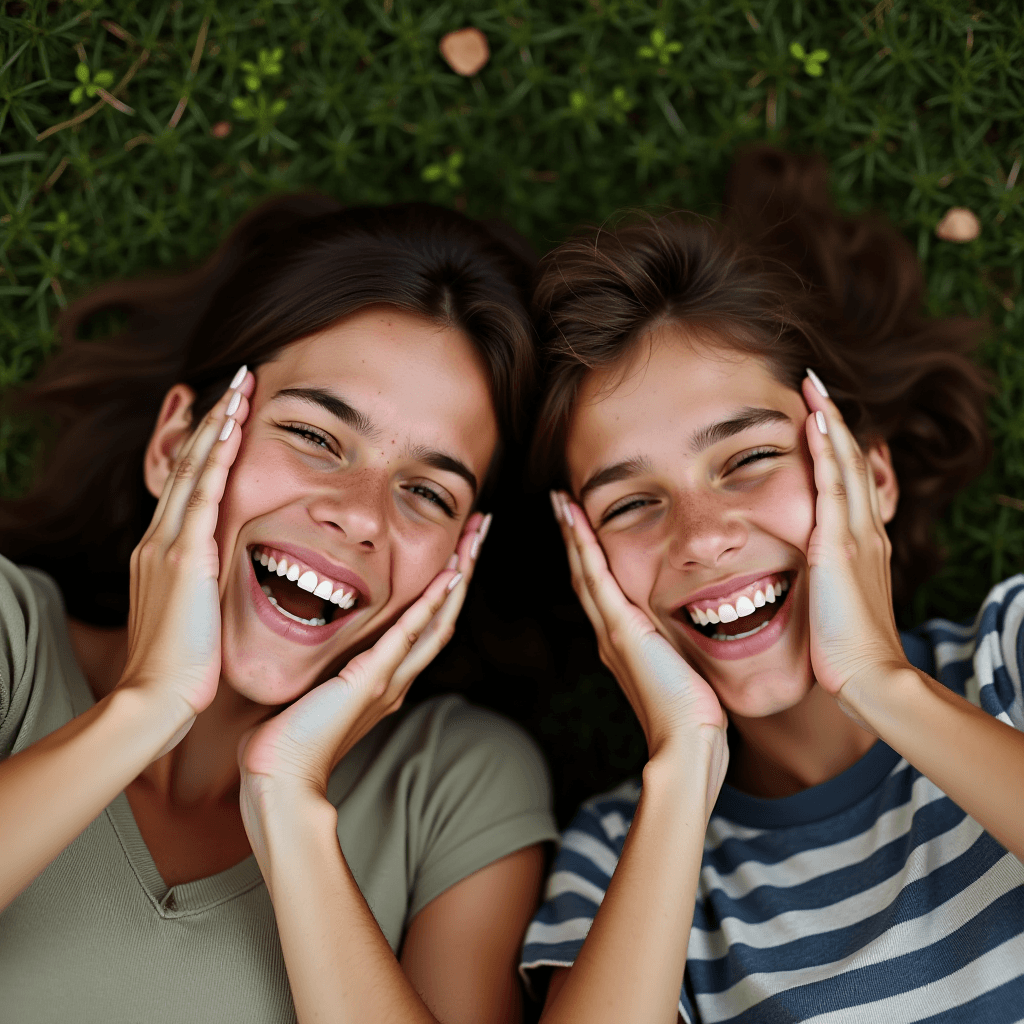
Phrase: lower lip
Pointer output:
(733, 650)
(288, 628)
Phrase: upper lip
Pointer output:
(322, 566)
(729, 586)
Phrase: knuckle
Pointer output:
(838, 490)
(411, 636)
(186, 469)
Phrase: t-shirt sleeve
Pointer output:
(488, 795)
(984, 660)
(19, 636)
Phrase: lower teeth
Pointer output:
(295, 618)
(740, 636)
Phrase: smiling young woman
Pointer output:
(209, 810)
(828, 827)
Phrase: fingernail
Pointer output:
(236, 400)
(816, 381)
(566, 510)
(554, 504)
(454, 582)
(238, 377)
(820, 420)
(452, 562)
(225, 431)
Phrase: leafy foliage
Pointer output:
(586, 107)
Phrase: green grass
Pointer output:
(586, 106)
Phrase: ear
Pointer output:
(173, 427)
(880, 463)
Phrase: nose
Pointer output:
(704, 532)
(357, 510)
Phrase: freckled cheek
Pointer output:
(414, 564)
(635, 568)
(786, 508)
(257, 484)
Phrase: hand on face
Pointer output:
(174, 630)
(671, 701)
(854, 640)
(302, 744)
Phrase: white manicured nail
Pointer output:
(566, 511)
(236, 401)
(816, 381)
(238, 377)
(225, 431)
(454, 581)
(819, 418)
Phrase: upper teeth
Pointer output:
(307, 580)
(744, 605)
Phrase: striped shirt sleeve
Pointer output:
(984, 660)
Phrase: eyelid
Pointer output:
(446, 506)
(301, 429)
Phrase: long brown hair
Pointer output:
(786, 277)
(292, 267)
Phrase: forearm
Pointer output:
(50, 791)
(339, 964)
(631, 964)
(975, 759)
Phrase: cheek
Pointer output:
(415, 562)
(259, 481)
(786, 507)
(634, 564)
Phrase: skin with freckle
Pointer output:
(357, 509)
(704, 520)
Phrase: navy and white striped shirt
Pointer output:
(870, 897)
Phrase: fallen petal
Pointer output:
(466, 51)
(959, 225)
(221, 130)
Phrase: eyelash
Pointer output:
(757, 455)
(323, 441)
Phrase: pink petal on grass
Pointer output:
(466, 51)
(221, 130)
(959, 225)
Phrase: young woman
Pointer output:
(193, 712)
(829, 824)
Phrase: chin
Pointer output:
(762, 694)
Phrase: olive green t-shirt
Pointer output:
(431, 795)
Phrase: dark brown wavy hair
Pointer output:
(786, 277)
(290, 268)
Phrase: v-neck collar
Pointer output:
(169, 901)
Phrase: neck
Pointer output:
(203, 767)
(803, 746)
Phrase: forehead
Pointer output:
(412, 378)
(674, 383)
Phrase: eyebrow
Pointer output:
(700, 439)
(337, 407)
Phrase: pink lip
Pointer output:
(730, 586)
(323, 567)
(300, 633)
(732, 650)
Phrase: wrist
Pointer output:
(154, 722)
(877, 697)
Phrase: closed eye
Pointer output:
(429, 494)
(626, 505)
(314, 437)
(757, 455)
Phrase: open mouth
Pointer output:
(297, 591)
(743, 613)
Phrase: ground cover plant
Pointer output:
(132, 135)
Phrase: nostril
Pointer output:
(367, 544)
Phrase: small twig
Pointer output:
(197, 56)
(1015, 503)
(80, 50)
(115, 103)
(137, 141)
(86, 114)
(59, 292)
(769, 108)
(1011, 178)
(59, 170)
(115, 30)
